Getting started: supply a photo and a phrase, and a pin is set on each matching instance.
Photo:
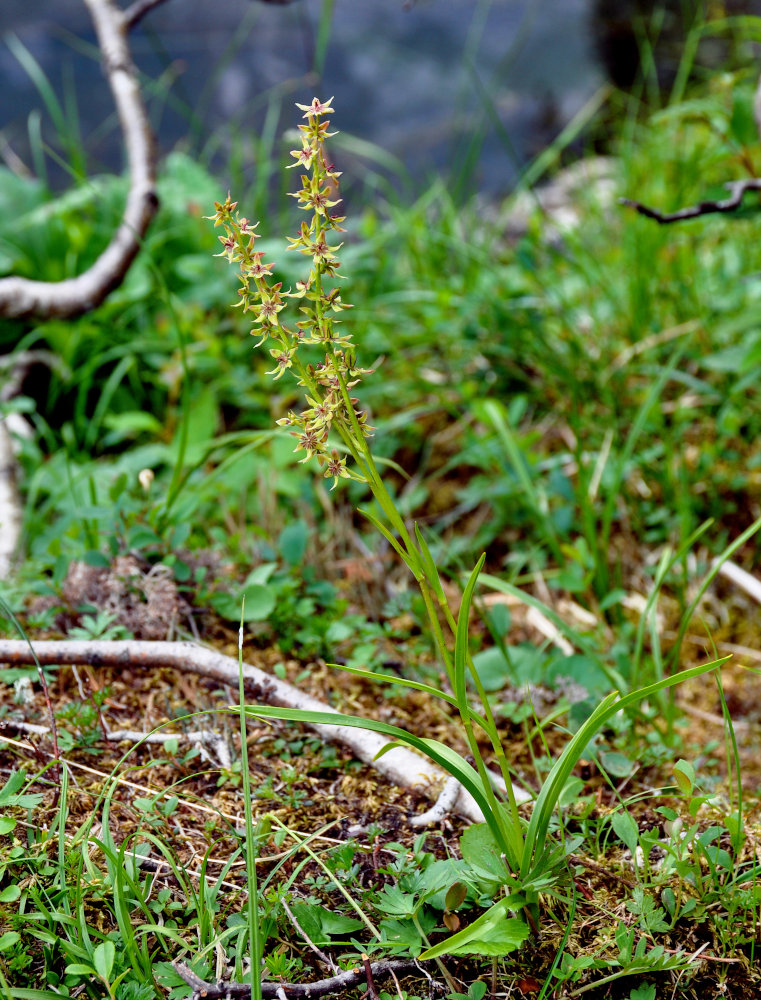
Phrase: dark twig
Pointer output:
(343, 981)
(592, 866)
(372, 991)
(325, 959)
(136, 11)
(737, 190)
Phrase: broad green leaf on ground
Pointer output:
(493, 933)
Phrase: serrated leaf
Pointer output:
(397, 903)
(401, 934)
(10, 793)
(338, 924)
(479, 848)
(493, 933)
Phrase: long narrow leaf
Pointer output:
(406, 682)
(462, 634)
(722, 558)
(431, 571)
(439, 753)
(416, 571)
(536, 835)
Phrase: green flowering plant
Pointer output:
(327, 384)
(533, 860)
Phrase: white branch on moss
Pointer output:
(401, 766)
(26, 297)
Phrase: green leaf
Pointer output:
(401, 935)
(202, 422)
(414, 566)
(10, 894)
(493, 933)
(477, 990)
(397, 903)
(626, 829)
(439, 753)
(12, 786)
(493, 669)
(482, 853)
(7, 824)
(455, 896)
(9, 793)
(393, 679)
(644, 992)
(78, 969)
(8, 940)
(616, 763)
(293, 542)
(429, 565)
(309, 918)
(103, 960)
(684, 776)
(130, 423)
(338, 924)
(140, 537)
(260, 602)
(536, 835)
(462, 634)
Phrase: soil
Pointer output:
(318, 790)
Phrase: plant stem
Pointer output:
(251, 845)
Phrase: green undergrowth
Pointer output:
(578, 403)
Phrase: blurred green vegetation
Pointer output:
(569, 400)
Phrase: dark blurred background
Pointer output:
(479, 86)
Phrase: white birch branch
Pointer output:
(401, 766)
(26, 297)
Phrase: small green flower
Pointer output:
(284, 360)
(316, 108)
(335, 467)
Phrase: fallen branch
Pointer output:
(750, 584)
(737, 189)
(213, 745)
(13, 426)
(25, 297)
(443, 805)
(402, 766)
(136, 11)
(343, 981)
